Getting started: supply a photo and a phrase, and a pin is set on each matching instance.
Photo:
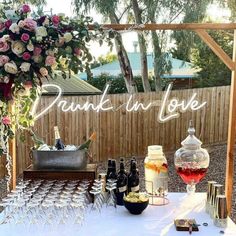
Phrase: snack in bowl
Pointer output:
(136, 203)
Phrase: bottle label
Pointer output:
(122, 189)
(135, 189)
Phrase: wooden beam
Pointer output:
(188, 26)
(231, 134)
(216, 48)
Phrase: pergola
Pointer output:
(200, 29)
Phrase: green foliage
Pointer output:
(102, 60)
(213, 71)
(117, 83)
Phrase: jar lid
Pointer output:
(191, 142)
(155, 149)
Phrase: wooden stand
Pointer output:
(90, 173)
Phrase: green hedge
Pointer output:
(117, 83)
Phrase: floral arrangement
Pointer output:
(31, 50)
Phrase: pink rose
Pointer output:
(30, 24)
(8, 23)
(3, 45)
(50, 60)
(2, 27)
(55, 20)
(26, 56)
(25, 8)
(77, 51)
(28, 84)
(25, 37)
(37, 51)
(3, 60)
(6, 120)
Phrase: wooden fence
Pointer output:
(123, 133)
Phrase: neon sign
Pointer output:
(169, 108)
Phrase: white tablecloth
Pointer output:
(155, 220)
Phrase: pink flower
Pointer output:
(55, 20)
(50, 60)
(30, 24)
(25, 37)
(3, 45)
(26, 56)
(8, 23)
(3, 60)
(37, 51)
(2, 27)
(6, 120)
(77, 51)
(25, 8)
(28, 84)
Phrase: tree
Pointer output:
(167, 12)
(109, 9)
(142, 46)
(213, 72)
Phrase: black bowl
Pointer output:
(136, 208)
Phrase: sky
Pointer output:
(64, 6)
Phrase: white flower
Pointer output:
(50, 52)
(6, 79)
(21, 24)
(17, 47)
(46, 21)
(68, 37)
(25, 66)
(39, 39)
(41, 31)
(14, 28)
(37, 59)
(30, 46)
(6, 38)
(11, 68)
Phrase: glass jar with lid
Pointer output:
(191, 161)
(156, 171)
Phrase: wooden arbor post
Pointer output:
(231, 64)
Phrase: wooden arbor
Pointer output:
(200, 29)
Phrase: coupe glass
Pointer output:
(111, 186)
(191, 161)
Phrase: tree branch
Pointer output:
(125, 10)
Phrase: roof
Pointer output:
(180, 68)
(71, 86)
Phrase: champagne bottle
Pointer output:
(109, 168)
(88, 142)
(133, 179)
(122, 182)
(58, 144)
(113, 174)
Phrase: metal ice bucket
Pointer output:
(59, 160)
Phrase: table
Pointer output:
(154, 221)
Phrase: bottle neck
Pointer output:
(57, 134)
(122, 167)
